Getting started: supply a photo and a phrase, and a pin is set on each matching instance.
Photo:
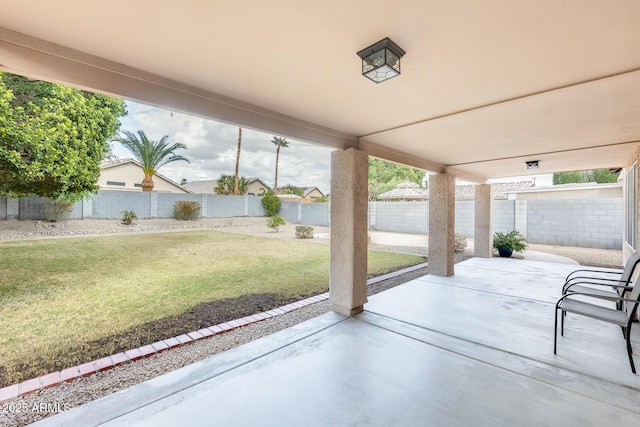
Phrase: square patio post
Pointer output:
(483, 224)
(349, 203)
(442, 190)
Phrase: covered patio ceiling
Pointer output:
(485, 86)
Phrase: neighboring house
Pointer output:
(255, 186)
(289, 198)
(501, 190)
(310, 194)
(127, 174)
(406, 191)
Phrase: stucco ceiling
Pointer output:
(484, 85)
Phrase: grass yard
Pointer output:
(69, 301)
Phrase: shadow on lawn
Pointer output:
(198, 317)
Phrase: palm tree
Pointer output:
(279, 142)
(152, 155)
(226, 183)
(235, 182)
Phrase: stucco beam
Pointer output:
(396, 156)
(35, 58)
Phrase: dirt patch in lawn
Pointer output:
(198, 317)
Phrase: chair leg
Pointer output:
(562, 323)
(630, 353)
(555, 332)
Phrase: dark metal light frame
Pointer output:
(533, 164)
(381, 60)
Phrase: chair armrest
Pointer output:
(593, 281)
(619, 273)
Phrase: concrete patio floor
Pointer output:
(472, 349)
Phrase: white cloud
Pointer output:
(211, 148)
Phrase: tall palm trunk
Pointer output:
(275, 185)
(235, 182)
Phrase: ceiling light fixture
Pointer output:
(533, 164)
(381, 60)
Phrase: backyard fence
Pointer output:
(593, 223)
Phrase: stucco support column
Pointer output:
(483, 224)
(348, 263)
(442, 190)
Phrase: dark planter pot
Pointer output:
(505, 252)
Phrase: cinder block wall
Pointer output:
(504, 214)
(289, 211)
(595, 223)
(224, 206)
(315, 214)
(589, 223)
(111, 204)
(401, 217)
(465, 216)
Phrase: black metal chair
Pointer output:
(607, 284)
(623, 317)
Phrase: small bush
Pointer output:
(186, 211)
(58, 210)
(275, 222)
(459, 243)
(271, 204)
(304, 232)
(128, 217)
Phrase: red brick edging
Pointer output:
(33, 385)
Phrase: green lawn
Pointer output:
(61, 293)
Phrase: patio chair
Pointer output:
(623, 317)
(614, 285)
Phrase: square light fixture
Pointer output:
(533, 164)
(381, 60)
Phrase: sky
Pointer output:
(212, 147)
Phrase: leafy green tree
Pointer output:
(226, 184)
(279, 143)
(291, 189)
(385, 176)
(53, 138)
(271, 203)
(600, 176)
(152, 155)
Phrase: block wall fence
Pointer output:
(592, 223)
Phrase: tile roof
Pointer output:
(412, 191)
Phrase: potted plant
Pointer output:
(507, 243)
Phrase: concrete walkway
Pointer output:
(472, 349)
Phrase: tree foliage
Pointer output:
(291, 189)
(271, 203)
(385, 176)
(53, 138)
(226, 183)
(600, 176)
(152, 155)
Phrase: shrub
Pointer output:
(271, 204)
(128, 217)
(304, 232)
(275, 222)
(459, 243)
(186, 211)
(58, 209)
(512, 240)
